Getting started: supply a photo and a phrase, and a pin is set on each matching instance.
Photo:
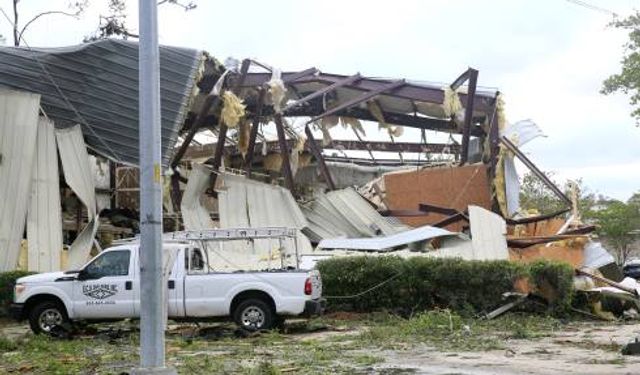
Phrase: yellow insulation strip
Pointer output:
(431, 109)
(376, 111)
(499, 183)
(304, 160)
(451, 104)
(297, 149)
(272, 162)
(232, 110)
(278, 91)
(166, 194)
(500, 112)
(243, 137)
(325, 124)
(353, 123)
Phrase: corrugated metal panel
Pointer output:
(18, 126)
(488, 234)
(194, 215)
(100, 80)
(344, 213)
(44, 219)
(243, 202)
(387, 242)
(77, 174)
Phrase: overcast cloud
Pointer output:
(548, 57)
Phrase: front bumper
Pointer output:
(16, 311)
(314, 307)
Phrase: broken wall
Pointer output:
(452, 187)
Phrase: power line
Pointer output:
(596, 8)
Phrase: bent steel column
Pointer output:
(468, 115)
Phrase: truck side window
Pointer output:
(195, 261)
(111, 263)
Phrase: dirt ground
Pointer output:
(341, 343)
(581, 348)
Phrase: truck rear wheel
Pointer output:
(254, 315)
(46, 315)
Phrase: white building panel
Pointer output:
(18, 126)
(44, 218)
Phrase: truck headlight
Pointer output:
(18, 289)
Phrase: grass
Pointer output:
(448, 331)
(341, 344)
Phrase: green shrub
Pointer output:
(557, 276)
(7, 282)
(422, 283)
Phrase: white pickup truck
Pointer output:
(108, 288)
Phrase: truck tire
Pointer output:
(45, 315)
(254, 315)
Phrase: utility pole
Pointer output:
(152, 322)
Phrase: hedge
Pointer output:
(422, 283)
(7, 282)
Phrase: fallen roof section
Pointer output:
(96, 85)
(345, 213)
(386, 243)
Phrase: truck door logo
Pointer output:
(100, 291)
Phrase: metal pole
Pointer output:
(151, 286)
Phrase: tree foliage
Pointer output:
(628, 80)
(114, 24)
(617, 223)
(74, 9)
(535, 195)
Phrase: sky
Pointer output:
(548, 58)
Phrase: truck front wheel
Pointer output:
(46, 315)
(254, 315)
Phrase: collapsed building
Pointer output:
(291, 149)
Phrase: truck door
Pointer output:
(175, 302)
(197, 284)
(104, 287)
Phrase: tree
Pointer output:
(75, 9)
(634, 200)
(617, 222)
(628, 80)
(535, 195)
(114, 24)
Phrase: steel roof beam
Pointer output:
(534, 169)
(360, 99)
(410, 91)
(323, 91)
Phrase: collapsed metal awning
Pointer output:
(96, 85)
(387, 242)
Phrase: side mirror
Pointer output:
(82, 275)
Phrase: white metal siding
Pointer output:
(18, 125)
(77, 174)
(44, 225)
